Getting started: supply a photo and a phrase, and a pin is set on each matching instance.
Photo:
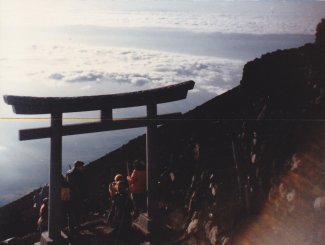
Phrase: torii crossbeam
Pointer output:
(56, 106)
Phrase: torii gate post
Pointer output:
(150, 155)
(56, 106)
(55, 209)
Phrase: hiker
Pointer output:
(112, 188)
(65, 200)
(38, 201)
(39, 197)
(43, 216)
(120, 217)
(137, 184)
(76, 182)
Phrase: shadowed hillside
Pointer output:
(246, 167)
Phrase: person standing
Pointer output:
(112, 188)
(120, 216)
(77, 184)
(43, 216)
(137, 184)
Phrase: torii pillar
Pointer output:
(150, 155)
(56, 106)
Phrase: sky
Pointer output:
(83, 47)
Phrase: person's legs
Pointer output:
(72, 217)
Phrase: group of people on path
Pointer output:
(127, 195)
(128, 198)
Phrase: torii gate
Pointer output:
(56, 106)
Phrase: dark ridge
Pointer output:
(18, 218)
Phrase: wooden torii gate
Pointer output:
(56, 106)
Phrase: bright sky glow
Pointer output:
(259, 17)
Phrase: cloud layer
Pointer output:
(143, 68)
(76, 69)
(256, 17)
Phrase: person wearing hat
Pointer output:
(112, 188)
(120, 217)
(77, 184)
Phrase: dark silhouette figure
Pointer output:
(65, 200)
(120, 216)
(76, 182)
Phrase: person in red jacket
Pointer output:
(137, 184)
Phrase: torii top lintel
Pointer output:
(49, 105)
(56, 106)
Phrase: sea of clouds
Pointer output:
(255, 17)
